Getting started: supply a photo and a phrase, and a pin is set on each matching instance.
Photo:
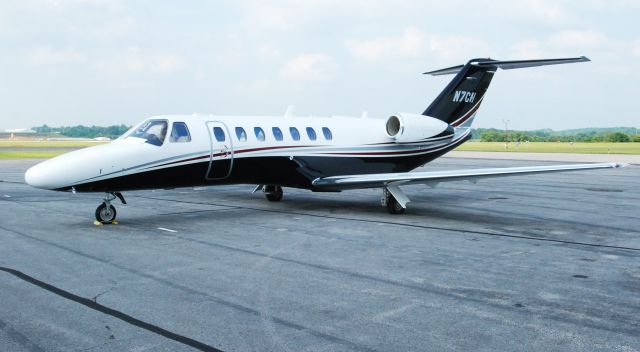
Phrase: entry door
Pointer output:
(221, 155)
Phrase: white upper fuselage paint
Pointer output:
(350, 136)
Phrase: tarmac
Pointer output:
(529, 263)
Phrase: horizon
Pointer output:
(135, 60)
(30, 129)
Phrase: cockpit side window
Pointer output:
(180, 133)
(153, 131)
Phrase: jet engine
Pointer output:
(403, 128)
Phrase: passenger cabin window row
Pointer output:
(241, 134)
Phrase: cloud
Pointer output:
(415, 43)
(285, 15)
(456, 47)
(568, 42)
(636, 48)
(529, 49)
(578, 39)
(259, 86)
(48, 56)
(110, 5)
(135, 60)
(267, 51)
(116, 28)
(314, 67)
(412, 43)
(545, 10)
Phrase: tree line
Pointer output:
(618, 134)
(84, 131)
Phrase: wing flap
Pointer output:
(403, 178)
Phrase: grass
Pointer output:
(553, 147)
(35, 153)
(46, 144)
(20, 154)
(533, 147)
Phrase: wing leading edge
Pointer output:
(434, 177)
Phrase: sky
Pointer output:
(68, 62)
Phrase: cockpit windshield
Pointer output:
(153, 131)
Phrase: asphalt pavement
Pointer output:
(528, 263)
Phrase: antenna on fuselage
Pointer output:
(289, 112)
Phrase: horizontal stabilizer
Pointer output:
(507, 65)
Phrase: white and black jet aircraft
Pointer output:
(322, 154)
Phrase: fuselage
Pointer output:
(193, 150)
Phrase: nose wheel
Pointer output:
(106, 212)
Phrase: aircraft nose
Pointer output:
(36, 177)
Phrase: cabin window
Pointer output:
(180, 133)
(259, 133)
(311, 133)
(152, 131)
(241, 134)
(294, 133)
(218, 132)
(327, 133)
(277, 133)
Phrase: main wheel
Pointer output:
(274, 193)
(104, 214)
(393, 207)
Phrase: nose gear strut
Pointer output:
(106, 213)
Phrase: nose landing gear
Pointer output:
(106, 213)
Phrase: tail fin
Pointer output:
(459, 101)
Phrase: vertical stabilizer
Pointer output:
(458, 103)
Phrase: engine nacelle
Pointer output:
(405, 128)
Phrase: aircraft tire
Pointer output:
(104, 215)
(275, 195)
(393, 207)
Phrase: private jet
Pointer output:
(321, 154)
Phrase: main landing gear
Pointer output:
(272, 192)
(106, 213)
(394, 199)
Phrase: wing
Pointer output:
(435, 177)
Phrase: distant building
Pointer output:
(20, 131)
